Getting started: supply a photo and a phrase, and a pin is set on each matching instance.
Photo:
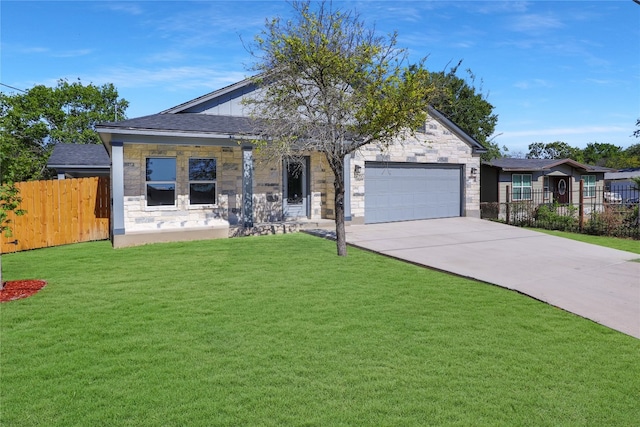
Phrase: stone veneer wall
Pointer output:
(322, 191)
(140, 218)
(437, 144)
(267, 189)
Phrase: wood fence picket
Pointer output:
(59, 212)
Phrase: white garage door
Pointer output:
(411, 191)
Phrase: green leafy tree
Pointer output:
(331, 85)
(632, 150)
(31, 123)
(464, 103)
(9, 202)
(553, 150)
(601, 154)
(636, 133)
(627, 158)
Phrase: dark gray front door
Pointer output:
(411, 191)
(296, 193)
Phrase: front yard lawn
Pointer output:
(278, 330)
(629, 245)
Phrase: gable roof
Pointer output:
(85, 156)
(246, 84)
(526, 165)
(186, 120)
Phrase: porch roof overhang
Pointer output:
(196, 129)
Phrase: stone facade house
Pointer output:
(191, 172)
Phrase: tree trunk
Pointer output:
(338, 184)
(341, 238)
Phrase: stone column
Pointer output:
(247, 186)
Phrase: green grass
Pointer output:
(628, 245)
(278, 330)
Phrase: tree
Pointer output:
(32, 122)
(9, 202)
(466, 105)
(636, 133)
(627, 158)
(633, 150)
(553, 150)
(601, 154)
(331, 85)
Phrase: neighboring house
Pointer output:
(539, 181)
(79, 160)
(620, 182)
(191, 172)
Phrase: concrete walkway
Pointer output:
(591, 281)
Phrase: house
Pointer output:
(621, 182)
(79, 160)
(191, 172)
(539, 181)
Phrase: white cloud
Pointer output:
(35, 49)
(71, 53)
(171, 78)
(128, 8)
(535, 23)
(563, 131)
(52, 53)
(532, 84)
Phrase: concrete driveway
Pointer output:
(591, 281)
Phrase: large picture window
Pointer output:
(161, 181)
(521, 186)
(202, 181)
(589, 189)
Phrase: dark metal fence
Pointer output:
(608, 213)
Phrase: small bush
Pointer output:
(556, 217)
(616, 221)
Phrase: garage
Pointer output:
(411, 191)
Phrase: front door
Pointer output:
(296, 204)
(561, 190)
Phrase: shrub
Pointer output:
(556, 217)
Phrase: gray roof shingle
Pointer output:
(83, 155)
(187, 122)
(513, 164)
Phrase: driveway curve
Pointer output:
(594, 282)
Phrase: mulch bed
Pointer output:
(18, 289)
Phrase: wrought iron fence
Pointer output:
(612, 212)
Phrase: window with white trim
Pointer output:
(521, 186)
(589, 187)
(202, 181)
(546, 190)
(161, 181)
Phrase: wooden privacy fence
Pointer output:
(59, 212)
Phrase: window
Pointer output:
(589, 189)
(161, 181)
(545, 185)
(521, 186)
(202, 181)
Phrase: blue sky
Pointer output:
(555, 71)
